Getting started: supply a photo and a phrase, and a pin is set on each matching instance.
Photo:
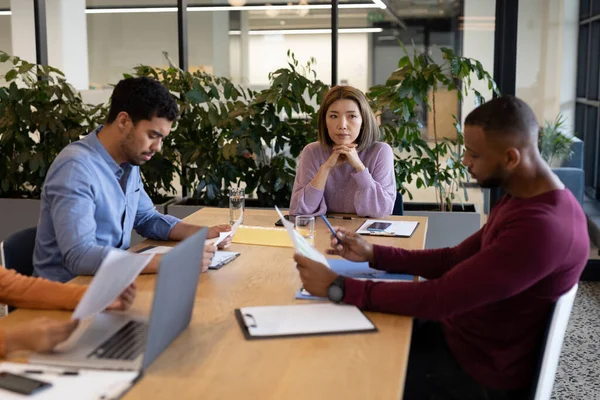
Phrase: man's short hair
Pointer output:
(143, 99)
(505, 115)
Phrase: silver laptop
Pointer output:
(123, 342)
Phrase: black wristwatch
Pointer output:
(335, 291)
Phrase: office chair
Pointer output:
(17, 251)
(552, 346)
(398, 205)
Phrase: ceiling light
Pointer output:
(236, 3)
(5, 12)
(376, 4)
(306, 31)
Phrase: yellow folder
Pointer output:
(262, 236)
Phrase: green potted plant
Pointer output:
(437, 163)
(195, 150)
(273, 128)
(555, 146)
(40, 113)
(564, 154)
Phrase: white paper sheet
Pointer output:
(88, 385)
(117, 271)
(223, 235)
(220, 256)
(304, 319)
(157, 250)
(300, 243)
(397, 228)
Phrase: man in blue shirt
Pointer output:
(93, 194)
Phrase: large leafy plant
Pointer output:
(413, 85)
(553, 143)
(194, 150)
(40, 113)
(273, 128)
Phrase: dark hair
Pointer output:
(369, 131)
(143, 99)
(506, 114)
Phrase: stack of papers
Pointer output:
(220, 259)
(86, 385)
(357, 270)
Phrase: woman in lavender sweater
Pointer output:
(347, 170)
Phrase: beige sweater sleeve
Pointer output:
(27, 292)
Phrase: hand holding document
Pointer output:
(117, 271)
(300, 243)
(224, 235)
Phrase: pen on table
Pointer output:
(331, 229)
(51, 372)
(340, 217)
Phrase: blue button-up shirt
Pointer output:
(89, 204)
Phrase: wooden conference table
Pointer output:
(212, 360)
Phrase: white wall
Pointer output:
(5, 42)
(547, 57)
(478, 43)
(119, 42)
(267, 53)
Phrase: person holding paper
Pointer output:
(93, 194)
(347, 170)
(484, 307)
(42, 334)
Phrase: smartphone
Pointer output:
(378, 226)
(290, 218)
(21, 384)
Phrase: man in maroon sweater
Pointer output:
(486, 302)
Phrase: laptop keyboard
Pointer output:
(125, 344)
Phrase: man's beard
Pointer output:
(494, 181)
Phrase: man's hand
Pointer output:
(209, 252)
(353, 246)
(316, 277)
(39, 335)
(125, 300)
(214, 231)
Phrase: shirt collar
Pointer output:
(95, 143)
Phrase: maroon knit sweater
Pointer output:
(494, 291)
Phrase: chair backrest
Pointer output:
(398, 205)
(17, 251)
(552, 345)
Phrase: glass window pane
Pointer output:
(590, 147)
(5, 34)
(582, 61)
(584, 9)
(580, 120)
(595, 8)
(594, 68)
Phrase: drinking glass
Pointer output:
(237, 198)
(305, 226)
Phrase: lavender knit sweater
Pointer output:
(371, 192)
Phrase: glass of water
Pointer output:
(237, 198)
(305, 226)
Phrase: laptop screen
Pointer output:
(174, 294)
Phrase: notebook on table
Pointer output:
(394, 228)
(357, 270)
(220, 259)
